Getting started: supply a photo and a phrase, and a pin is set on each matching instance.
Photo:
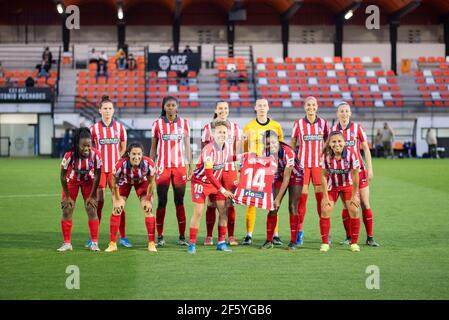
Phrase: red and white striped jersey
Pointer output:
(354, 136)
(82, 169)
(211, 157)
(126, 173)
(170, 137)
(107, 140)
(310, 137)
(234, 135)
(256, 182)
(339, 170)
(286, 158)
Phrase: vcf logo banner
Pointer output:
(179, 62)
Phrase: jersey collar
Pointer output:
(341, 128)
(307, 120)
(110, 125)
(167, 121)
(263, 124)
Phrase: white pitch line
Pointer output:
(38, 195)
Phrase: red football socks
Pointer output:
(319, 198)
(345, 218)
(150, 224)
(231, 221)
(368, 221)
(113, 227)
(93, 228)
(100, 209)
(355, 229)
(325, 226)
(293, 227)
(160, 216)
(271, 225)
(192, 235)
(302, 207)
(210, 220)
(221, 234)
(122, 224)
(181, 216)
(66, 226)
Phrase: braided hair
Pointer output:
(81, 133)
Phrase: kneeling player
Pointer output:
(288, 175)
(206, 182)
(339, 176)
(133, 170)
(76, 173)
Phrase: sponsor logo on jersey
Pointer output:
(108, 141)
(253, 194)
(172, 137)
(338, 171)
(82, 171)
(218, 166)
(313, 137)
(350, 143)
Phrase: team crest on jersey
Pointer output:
(352, 134)
(116, 132)
(197, 195)
(91, 164)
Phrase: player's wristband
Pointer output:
(222, 190)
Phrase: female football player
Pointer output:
(339, 177)
(356, 139)
(288, 175)
(80, 169)
(229, 177)
(109, 137)
(170, 144)
(133, 170)
(206, 181)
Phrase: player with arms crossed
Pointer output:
(206, 182)
(170, 144)
(229, 177)
(133, 170)
(309, 132)
(339, 176)
(80, 169)
(109, 137)
(253, 134)
(288, 175)
(355, 138)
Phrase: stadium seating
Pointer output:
(432, 79)
(359, 81)
(18, 77)
(238, 94)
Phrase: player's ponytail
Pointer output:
(132, 145)
(327, 150)
(79, 134)
(267, 135)
(164, 101)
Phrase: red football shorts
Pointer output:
(177, 176)
(296, 179)
(105, 178)
(229, 180)
(345, 194)
(363, 179)
(315, 174)
(201, 191)
(86, 189)
(141, 189)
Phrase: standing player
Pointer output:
(133, 170)
(339, 176)
(229, 177)
(170, 144)
(109, 137)
(288, 175)
(309, 132)
(355, 138)
(206, 182)
(77, 167)
(253, 134)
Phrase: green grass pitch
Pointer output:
(410, 201)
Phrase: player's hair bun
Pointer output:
(105, 98)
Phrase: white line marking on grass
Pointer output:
(37, 195)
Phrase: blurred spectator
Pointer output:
(121, 60)
(387, 140)
(431, 139)
(171, 50)
(231, 75)
(47, 56)
(132, 63)
(93, 56)
(378, 143)
(29, 82)
(9, 83)
(120, 53)
(187, 49)
(2, 71)
(103, 56)
(43, 69)
(102, 70)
